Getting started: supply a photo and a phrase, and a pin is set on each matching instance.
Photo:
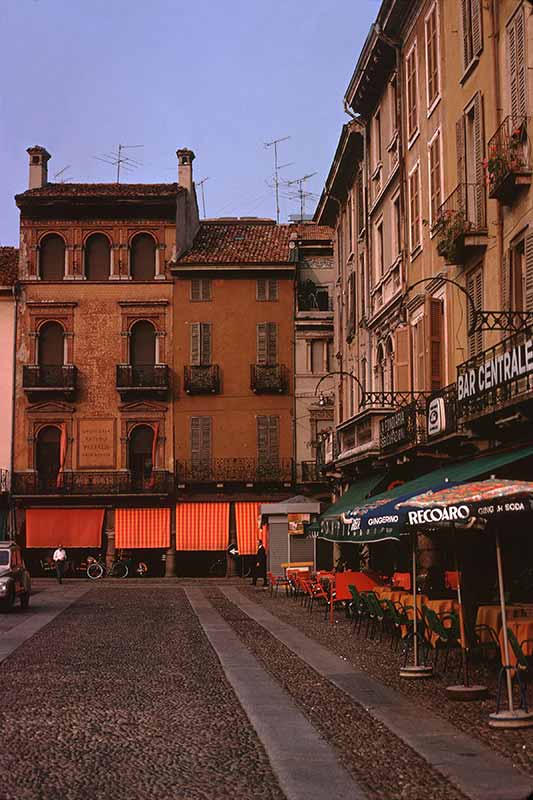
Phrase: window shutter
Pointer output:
(272, 343)
(262, 439)
(435, 178)
(195, 343)
(479, 146)
(465, 30)
(261, 289)
(200, 439)
(506, 282)
(477, 27)
(196, 292)
(435, 323)
(402, 351)
(460, 147)
(206, 289)
(511, 68)
(529, 271)
(273, 439)
(517, 67)
(205, 343)
(273, 289)
(262, 343)
(420, 355)
(475, 289)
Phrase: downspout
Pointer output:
(16, 292)
(495, 36)
(294, 469)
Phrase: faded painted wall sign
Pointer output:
(96, 444)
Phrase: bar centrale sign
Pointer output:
(497, 371)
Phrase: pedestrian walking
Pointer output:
(260, 566)
(59, 558)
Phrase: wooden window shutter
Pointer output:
(272, 343)
(460, 147)
(273, 289)
(412, 100)
(477, 27)
(465, 30)
(261, 289)
(432, 34)
(435, 338)
(262, 439)
(420, 356)
(475, 289)
(479, 150)
(262, 353)
(195, 343)
(196, 291)
(206, 289)
(529, 272)
(273, 439)
(205, 343)
(402, 357)
(435, 178)
(517, 67)
(507, 286)
(200, 439)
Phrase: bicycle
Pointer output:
(218, 568)
(97, 569)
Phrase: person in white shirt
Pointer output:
(59, 558)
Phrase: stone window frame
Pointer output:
(153, 311)
(158, 238)
(135, 414)
(42, 417)
(41, 312)
(85, 236)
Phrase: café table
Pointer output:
(491, 615)
(522, 627)
(388, 593)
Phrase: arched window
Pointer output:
(142, 257)
(47, 457)
(142, 344)
(51, 349)
(52, 258)
(380, 369)
(97, 257)
(390, 365)
(140, 454)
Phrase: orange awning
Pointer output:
(142, 528)
(71, 527)
(202, 526)
(246, 515)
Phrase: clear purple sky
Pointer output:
(219, 76)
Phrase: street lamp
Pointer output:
(474, 310)
(322, 399)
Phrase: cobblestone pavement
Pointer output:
(122, 697)
(378, 660)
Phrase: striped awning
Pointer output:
(142, 528)
(202, 526)
(71, 527)
(246, 517)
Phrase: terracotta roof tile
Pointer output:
(312, 232)
(97, 190)
(9, 261)
(239, 242)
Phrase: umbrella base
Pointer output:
(462, 692)
(511, 719)
(419, 671)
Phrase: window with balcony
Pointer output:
(140, 455)
(142, 344)
(268, 459)
(267, 343)
(142, 257)
(471, 31)
(97, 257)
(201, 376)
(201, 447)
(411, 77)
(51, 345)
(142, 373)
(267, 290)
(48, 456)
(517, 64)
(432, 57)
(201, 344)
(201, 290)
(52, 258)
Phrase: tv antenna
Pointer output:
(126, 163)
(302, 194)
(274, 143)
(201, 185)
(61, 172)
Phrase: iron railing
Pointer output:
(405, 428)
(150, 377)
(59, 378)
(308, 472)
(463, 212)
(204, 379)
(508, 156)
(92, 483)
(496, 377)
(266, 379)
(388, 400)
(234, 470)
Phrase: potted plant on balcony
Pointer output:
(450, 229)
(506, 158)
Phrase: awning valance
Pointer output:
(142, 528)
(202, 526)
(358, 491)
(71, 527)
(246, 520)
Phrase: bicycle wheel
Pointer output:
(119, 570)
(95, 571)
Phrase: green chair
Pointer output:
(522, 671)
(397, 616)
(376, 613)
(358, 608)
(447, 636)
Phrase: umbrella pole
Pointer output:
(415, 670)
(511, 717)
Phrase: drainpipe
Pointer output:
(16, 293)
(495, 36)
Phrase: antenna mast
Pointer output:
(127, 163)
(274, 144)
(201, 185)
(301, 193)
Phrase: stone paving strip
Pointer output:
(121, 697)
(477, 771)
(44, 607)
(305, 765)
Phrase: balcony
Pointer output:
(234, 470)
(313, 297)
(202, 379)
(146, 379)
(38, 380)
(461, 225)
(308, 472)
(267, 379)
(509, 165)
(405, 428)
(92, 483)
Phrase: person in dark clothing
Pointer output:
(260, 566)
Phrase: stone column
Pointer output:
(231, 563)
(160, 262)
(170, 561)
(109, 524)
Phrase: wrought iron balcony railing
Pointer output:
(405, 428)
(234, 470)
(387, 400)
(203, 379)
(146, 378)
(92, 483)
(39, 378)
(461, 221)
(266, 379)
(509, 162)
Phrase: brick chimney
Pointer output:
(185, 159)
(38, 166)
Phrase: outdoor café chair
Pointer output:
(485, 643)
(397, 616)
(522, 669)
(447, 636)
(376, 614)
(317, 592)
(358, 608)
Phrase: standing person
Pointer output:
(59, 557)
(260, 566)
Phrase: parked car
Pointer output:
(15, 581)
